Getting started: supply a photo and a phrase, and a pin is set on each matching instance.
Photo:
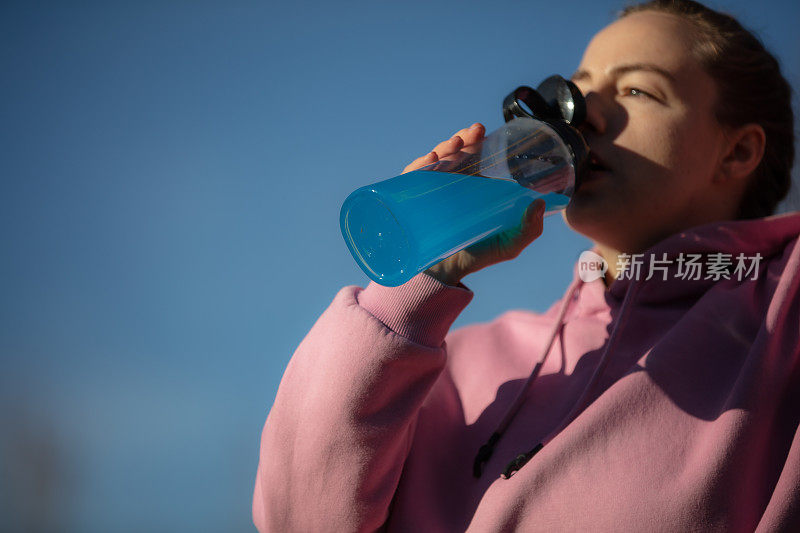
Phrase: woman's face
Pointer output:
(650, 122)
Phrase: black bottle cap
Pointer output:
(559, 103)
(514, 105)
(565, 97)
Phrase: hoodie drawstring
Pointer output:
(485, 451)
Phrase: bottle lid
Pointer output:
(559, 103)
(576, 143)
(565, 98)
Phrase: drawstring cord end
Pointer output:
(520, 461)
(484, 453)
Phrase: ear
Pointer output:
(745, 148)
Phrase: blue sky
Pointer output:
(172, 174)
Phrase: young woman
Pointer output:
(662, 396)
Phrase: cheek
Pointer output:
(701, 148)
(689, 139)
(654, 140)
(656, 184)
(667, 155)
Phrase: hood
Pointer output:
(720, 242)
(766, 236)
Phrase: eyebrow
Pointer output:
(624, 69)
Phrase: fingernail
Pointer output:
(475, 126)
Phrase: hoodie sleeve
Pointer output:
(343, 419)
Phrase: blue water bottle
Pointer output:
(401, 226)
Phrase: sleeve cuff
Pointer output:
(421, 310)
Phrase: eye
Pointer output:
(633, 91)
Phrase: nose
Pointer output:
(595, 116)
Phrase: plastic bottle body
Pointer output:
(401, 226)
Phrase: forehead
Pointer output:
(647, 37)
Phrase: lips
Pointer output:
(595, 169)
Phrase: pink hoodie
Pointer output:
(652, 406)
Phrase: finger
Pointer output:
(473, 134)
(533, 222)
(472, 148)
(463, 132)
(420, 162)
(448, 147)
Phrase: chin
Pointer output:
(594, 222)
(582, 216)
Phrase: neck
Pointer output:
(610, 256)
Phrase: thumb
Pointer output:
(533, 221)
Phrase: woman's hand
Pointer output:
(500, 247)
